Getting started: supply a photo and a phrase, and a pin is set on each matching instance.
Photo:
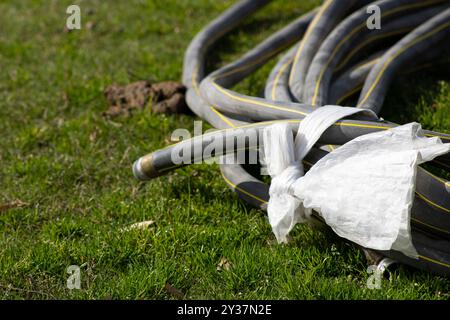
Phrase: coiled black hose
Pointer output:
(333, 56)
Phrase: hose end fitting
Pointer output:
(143, 168)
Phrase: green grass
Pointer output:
(73, 167)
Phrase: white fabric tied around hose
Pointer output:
(364, 190)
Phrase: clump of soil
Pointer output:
(13, 204)
(165, 97)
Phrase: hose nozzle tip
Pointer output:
(143, 168)
(137, 171)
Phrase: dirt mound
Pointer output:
(165, 97)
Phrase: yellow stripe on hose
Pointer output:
(322, 10)
(342, 124)
(278, 77)
(368, 41)
(364, 64)
(430, 226)
(221, 116)
(195, 82)
(197, 91)
(359, 28)
(446, 183)
(391, 59)
(349, 94)
(358, 87)
(267, 56)
(253, 63)
(263, 104)
(434, 261)
(432, 203)
(242, 190)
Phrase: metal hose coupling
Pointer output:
(143, 168)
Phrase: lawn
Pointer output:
(71, 167)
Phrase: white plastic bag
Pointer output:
(364, 190)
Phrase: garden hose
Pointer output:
(331, 56)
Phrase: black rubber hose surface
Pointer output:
(330, 55)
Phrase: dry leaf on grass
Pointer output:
(174, 291)
(13, 204)
(224, 264)
(139, 226)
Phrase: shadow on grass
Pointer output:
(410, 91)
